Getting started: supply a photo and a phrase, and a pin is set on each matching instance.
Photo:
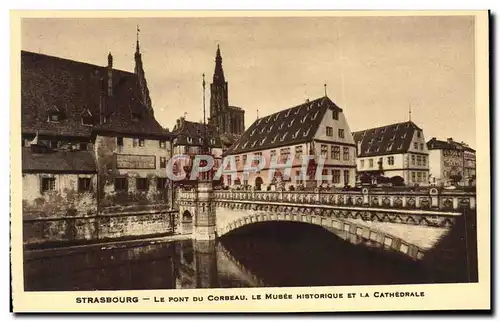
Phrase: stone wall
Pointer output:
(67, 230)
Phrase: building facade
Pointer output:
(77, 112)
(228, 120)
(451, 163)
(317, 128)
(189, 140)
(396, 150)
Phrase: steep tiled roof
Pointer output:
(291, 126)
(51, 84)
(435, 144)
(191, 133)
(58, 161)
(389, 139)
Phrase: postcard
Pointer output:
(238, 161)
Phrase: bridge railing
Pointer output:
(433, 199)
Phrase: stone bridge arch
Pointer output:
(353, 231)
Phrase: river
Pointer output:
(277, 254)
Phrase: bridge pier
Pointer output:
(204, 219)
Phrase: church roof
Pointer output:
(288, 127)
(192, 133)
(389, 139)
(72, 89)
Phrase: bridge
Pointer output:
(423, 225)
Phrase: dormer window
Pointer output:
(295, 134)
(335, 115)
(291, 123)
(281, 125)
(269, 129)
(307, 132)
(315, 115)
(298, 111)
(275, 138)
(283, 137)
(287, 113)
(136, 116)
(54, 117)
(263, 140)
(87, 118)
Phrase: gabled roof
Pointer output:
(291, 126)
(192, 133)
(58, 161)
(389, 139)
(52, 84)
(435, 144)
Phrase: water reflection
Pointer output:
(281, 254)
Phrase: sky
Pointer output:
(375, 68)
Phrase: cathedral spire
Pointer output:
(137, 48)
(219, 72)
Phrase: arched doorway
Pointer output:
(258, 183)
(187, 222)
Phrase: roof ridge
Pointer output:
(73, 61)
(385, 126)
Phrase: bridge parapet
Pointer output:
(432, 200)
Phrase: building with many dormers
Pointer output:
(451, 162)
(393, 150)
(89, 136)
(317, 126)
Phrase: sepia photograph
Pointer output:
(240, 152)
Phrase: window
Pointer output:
(87, 120)
(421, 146)
(163, 162)
(346, 153)
(244, 158)
(298, 151)
(370, 163)
(424, 160)
(346, 177)
(119, 141)
(336, 152)
(141, 183)
(419, 176)
(141, 142)
(336, 176)
(237, 159)
(161, 183)
(297, 177)
(54, 117)
(135, 142)
(48, 184)
(121, 184)
(415, 145)
(390, 160)
(84, 184)
(228, 180)
(54, 144)
(341, 133)
(163, 144)
(419, 160)
(273, 153)
(329, 131)
(413, 177)
(83, 146)
(284, 153)
(412, 160)
(324, 150)
(362, 164)
(335, 115)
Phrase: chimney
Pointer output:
(450, 140)
(178, 124)
(307, 100)
(110, 75)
